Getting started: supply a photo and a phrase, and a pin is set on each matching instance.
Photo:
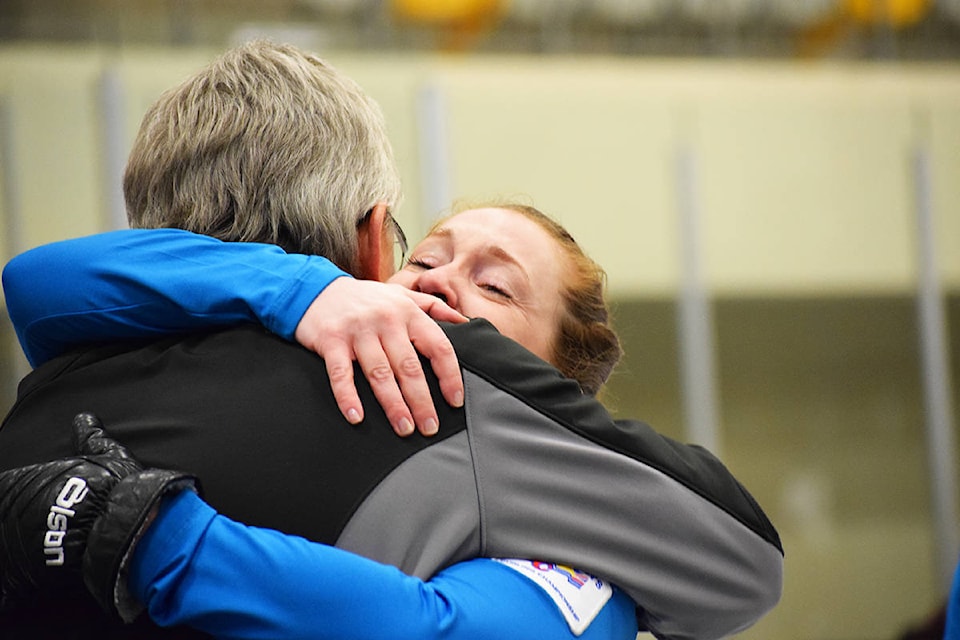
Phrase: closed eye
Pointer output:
(419, 263)
(492, 288)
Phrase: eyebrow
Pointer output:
(496, 251)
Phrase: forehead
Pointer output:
(504, 233)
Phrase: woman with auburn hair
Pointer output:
(585, 346)
(577, 337)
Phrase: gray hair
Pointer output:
(266, 144)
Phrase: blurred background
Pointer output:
(772, 185)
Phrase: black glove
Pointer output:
(73, 522)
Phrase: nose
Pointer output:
(438, 282)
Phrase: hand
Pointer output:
(71, 522)
(382, 327)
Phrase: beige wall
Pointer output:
(807, 200)
(804, 171)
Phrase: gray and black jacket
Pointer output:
(528, 468)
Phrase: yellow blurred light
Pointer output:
(446, 11)
(898, 13)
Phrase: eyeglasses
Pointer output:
(399, 242)
(399, 238)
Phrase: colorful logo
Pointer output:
(576, 578)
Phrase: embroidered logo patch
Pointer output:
(578, 595)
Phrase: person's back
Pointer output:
(250, 414)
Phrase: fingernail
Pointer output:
(430, 427)
(458, 399)
(405, 427)
(353, 416)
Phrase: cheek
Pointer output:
(541, 332)
(539, 344)
(535, 339)
(500, 317)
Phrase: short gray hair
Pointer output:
(266, 144)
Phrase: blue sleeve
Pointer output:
(141, 283)
(197, 568)
(952, 630)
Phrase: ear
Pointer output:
(376, 255)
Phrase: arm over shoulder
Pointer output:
(194, 567)
(153, 282)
